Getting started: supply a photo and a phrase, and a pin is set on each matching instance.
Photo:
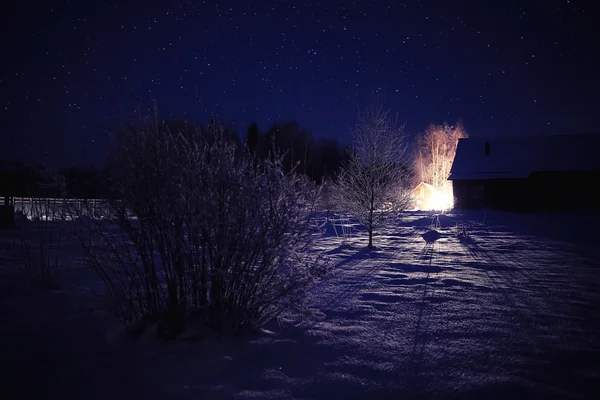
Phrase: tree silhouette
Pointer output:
(252, 136)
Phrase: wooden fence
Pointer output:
(58, 208)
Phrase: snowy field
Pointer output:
(510, 311)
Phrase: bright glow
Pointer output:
(442, 200)
(428, 198)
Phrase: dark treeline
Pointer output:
(319, 159)
(35, 181)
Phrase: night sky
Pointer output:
(503, 67)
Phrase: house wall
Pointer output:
(541, 191)
(422, 197)
(502, 194)
(566, 190)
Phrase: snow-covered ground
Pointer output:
(509, 311)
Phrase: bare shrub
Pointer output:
(194, 227)
(42, 240)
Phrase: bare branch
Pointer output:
(374, 183)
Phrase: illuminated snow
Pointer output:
(505, 312)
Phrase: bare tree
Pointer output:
(373, 183)
(434, 153)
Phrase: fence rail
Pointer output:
(58, 208)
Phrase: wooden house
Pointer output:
(424, 196)
(559, 172)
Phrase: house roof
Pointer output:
(427, 185)
(518, 157)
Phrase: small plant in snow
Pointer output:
(40, 254)
(327, 201)
(42, 241)
(461, 230)
(333, 215)
(342, 228)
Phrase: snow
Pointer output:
(518, 157)
(510, 310)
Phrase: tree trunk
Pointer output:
(371, 213)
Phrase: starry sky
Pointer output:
(503, 67)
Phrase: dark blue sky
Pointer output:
(503, 67)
